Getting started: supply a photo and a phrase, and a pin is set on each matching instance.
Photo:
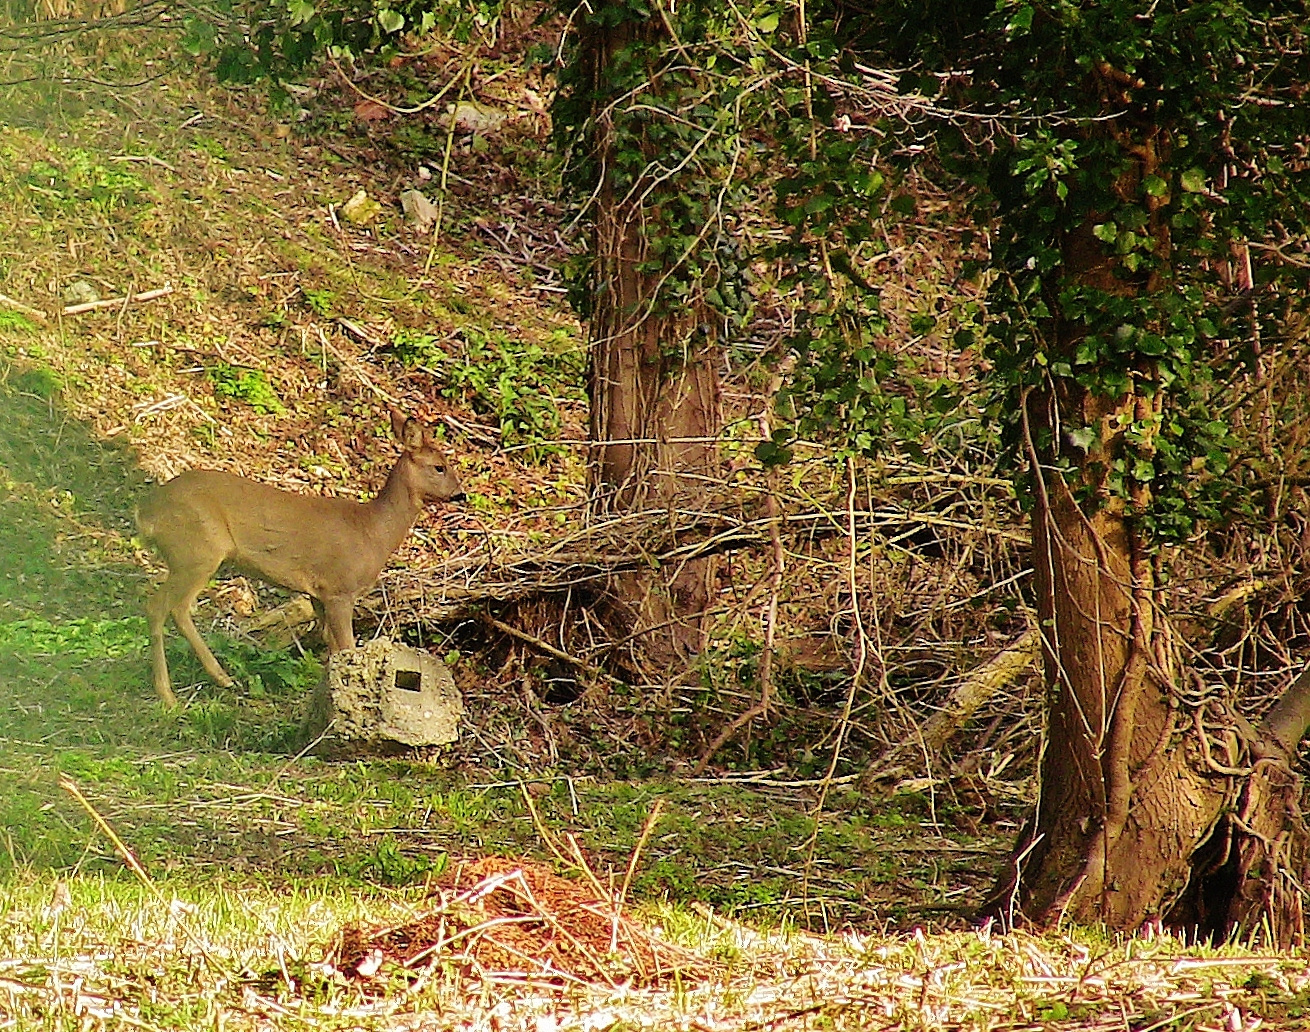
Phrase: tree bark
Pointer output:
(1125, 800)
(1123, 804)
(654, 391)
(1137, 821)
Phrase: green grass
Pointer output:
(216, 786)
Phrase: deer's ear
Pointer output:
(411, 435)
(408, 431)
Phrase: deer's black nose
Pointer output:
(459, 497)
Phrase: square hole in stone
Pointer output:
(409, 680)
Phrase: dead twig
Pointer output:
(115, 302)
(652, 819)
(18, 306)
(777, 568)
(145, 159)
(543, 646)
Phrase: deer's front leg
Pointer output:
(339, 623)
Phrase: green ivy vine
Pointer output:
(651, 108)
(1130, 159)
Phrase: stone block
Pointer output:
(385, 693)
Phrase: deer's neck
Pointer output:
(395, 508)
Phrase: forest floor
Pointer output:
(193, 869)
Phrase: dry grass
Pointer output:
(86, 957)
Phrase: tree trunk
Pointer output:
(1136, 820)
(654, 390)
(1123, 804)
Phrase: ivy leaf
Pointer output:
(199, 37)
(770, 454)
(1193, 180)
(870, 183)
(1021, 22)
(1105, 231)
(1143, 470)
(768, 24)
(1083, 437)
(300, 11)
(1155, 186)
(391, 21)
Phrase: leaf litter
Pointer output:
(517, 920)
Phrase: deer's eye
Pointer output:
(439, 468)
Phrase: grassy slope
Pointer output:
(270, 854)
(239, 221)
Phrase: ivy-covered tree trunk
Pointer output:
(654, 387)
(1135, 820)
(1143, 815)
(1124, 799)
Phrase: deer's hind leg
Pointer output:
(175, 597)
(156, 614)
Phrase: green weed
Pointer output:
(321, 302)
(214, 148)
(418, 142)
(415, 348)
(390, 864)
(248, 385)
(276, 672)
(520, 385)
(77, 180)
(79, 639)
(37, 381)
(14, 322)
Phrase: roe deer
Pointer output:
(330, 548)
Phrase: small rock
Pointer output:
(419, 211)
(384, 693)
(361, 209)
(472, 117)
(80, 292)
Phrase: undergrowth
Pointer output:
(518, 384)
